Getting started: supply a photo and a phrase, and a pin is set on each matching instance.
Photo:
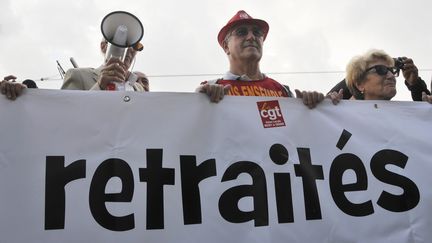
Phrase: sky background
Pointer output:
(308, 45)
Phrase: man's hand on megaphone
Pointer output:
(113, 71)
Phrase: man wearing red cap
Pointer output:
(242, 40)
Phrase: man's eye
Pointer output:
(242, 31)
(258, 32)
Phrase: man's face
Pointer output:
(244, 42)
(143, 80)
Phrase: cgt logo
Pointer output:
(270, 112)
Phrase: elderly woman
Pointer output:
(372, 76)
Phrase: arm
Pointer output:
(11, 89)
(427, 98)
(214, 91)
(113, 71)
(413, 82)
(342, 85)
(417, 88)
(73, 80)
(312, 98)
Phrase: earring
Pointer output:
(361, 96)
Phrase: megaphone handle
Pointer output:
(111, 86)
(116, 86)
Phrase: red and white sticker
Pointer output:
(271, 114)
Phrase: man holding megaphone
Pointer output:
(122, 33)
(103, 77)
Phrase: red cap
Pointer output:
(241, 18)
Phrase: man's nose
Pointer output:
(250, 35)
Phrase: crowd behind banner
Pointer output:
(388, 216)
(370, 76)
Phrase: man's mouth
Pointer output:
(250, 45)
(390, 83)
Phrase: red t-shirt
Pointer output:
(263, 87)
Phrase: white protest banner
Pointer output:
(173, 167)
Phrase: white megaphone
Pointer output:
(122, 30)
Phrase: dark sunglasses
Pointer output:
(244, 31)
(383, 70)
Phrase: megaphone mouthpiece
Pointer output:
(120, 36)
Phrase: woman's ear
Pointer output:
(360, 87)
